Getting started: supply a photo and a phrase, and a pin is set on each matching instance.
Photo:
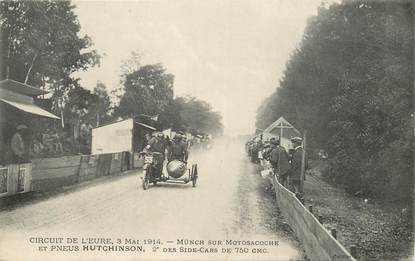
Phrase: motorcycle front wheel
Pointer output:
(146, 179)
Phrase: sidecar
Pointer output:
(177, 172)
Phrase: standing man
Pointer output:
(295, 173)
(18, 146)
(279, 161)
(266, 152)
(256, 147)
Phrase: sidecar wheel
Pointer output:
(194, 175)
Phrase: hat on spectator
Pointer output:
(274, 141)
(21, 127)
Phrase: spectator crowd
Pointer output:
(55, 142)
(286, 166)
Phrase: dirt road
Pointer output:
(229, 203)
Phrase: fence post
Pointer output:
(334, 233)
(353, 251)
(303, 159)
(78, 179)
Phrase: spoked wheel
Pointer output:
(194, 174)
(146, 179)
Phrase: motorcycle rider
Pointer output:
(178, 149)
(157, 144)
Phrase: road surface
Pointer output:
(229, 203)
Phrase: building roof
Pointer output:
(130, 119)
(21, 88)
(30, 108)
(281, 123)
(20, 96)
(146, 126)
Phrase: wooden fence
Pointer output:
(54, 172)
(319, 244)
(50, 173)
(14, 179)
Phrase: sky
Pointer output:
(230, 53)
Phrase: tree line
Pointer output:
(41, 45)
(350, 85)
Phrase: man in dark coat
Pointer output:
(267, 150)
(158, 145)
(295, 172)
(178, 149)
(279, 161)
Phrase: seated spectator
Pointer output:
(57, 145)
(38, 148)
(47, 141)
(68, 144)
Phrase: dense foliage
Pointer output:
(350, 85)
(40, 45)
(198, 115)
(86, 106)
(149, 90)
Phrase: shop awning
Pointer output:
(30, 108)
(146, 126)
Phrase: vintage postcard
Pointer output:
(207, 130)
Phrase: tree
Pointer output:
(198, 115)
(91, 107)
(102, 105)
(133, 63)
(148, 90)
(350, 84)
(40, 45)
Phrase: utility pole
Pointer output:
(303, 159)
(98, 108)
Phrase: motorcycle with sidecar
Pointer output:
(176, 170)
